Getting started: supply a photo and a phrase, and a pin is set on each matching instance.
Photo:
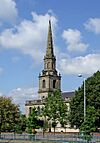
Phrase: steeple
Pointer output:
(49, 79)
(49, 50)
(49, 58)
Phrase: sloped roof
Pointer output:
(68, 94)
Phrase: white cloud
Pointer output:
(73, 40)
(29, 37)
(8, 10)
(93, 24)
(86, 65)
(20, 95)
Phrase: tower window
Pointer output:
(48, 65)
(54, 83)
(43, 84)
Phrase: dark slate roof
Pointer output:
(68, 94)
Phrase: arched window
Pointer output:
(54, 83)
(48, 65)
(43, 84)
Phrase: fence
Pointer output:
(62, 138)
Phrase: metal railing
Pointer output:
(62, 138)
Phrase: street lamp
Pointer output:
(80, 75)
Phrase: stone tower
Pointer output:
(49, 80)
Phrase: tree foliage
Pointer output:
(21, 126)
(89, 125)
(76, 117)
(9, 114)
(55, 109)
(23, 121)
(32, 122)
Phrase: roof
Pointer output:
(39, 102)
(68, 94)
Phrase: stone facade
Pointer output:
(38, 104)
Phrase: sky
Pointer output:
(23, 42)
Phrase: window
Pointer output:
(48, 65)
(43, 84)
(54, 83)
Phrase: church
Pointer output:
(49, 79)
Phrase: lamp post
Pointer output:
(80, 75)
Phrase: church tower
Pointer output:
(49, 80)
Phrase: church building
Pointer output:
(49, 79)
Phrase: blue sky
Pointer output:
(23, 37)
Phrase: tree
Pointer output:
(63, 110)
(55, 109)
(23, 121)
(76, 117)
(44, 121)
(32, 122)
(43, 124)
(9, 114)
(89, 125)
(21, 126)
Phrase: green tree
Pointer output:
(21, 126)
(43, 124)
(63, 112)
(76, 117)
(23, 122)
(9, 114)
(55, 109)
(32, 122)
(89, 125)
(44, 121)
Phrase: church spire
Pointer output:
(49, 51)
(49, 80)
